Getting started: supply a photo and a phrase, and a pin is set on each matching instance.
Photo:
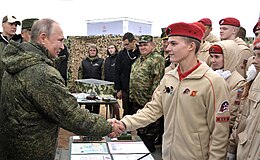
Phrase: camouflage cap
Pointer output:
(27, 23)
(145, 39)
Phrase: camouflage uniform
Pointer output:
(35, 103)
(145, 76)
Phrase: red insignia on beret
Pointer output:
(206, 21)
(215, 49)
(223, 119)
(230, 21)
(257, 44)
(224, 107)
(185, 30)
(256, 27)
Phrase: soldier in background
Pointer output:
(26, 28)
(145, 76)
(35, 101)
(165, 43)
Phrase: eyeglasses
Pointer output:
(126, 44)
(92, 50)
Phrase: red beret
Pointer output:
(206, 21)
(256, 27)
(185, 30)
(202, 27)
(257, 44)
(215, 49)
(230, 21)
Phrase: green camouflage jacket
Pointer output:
(35, 103)
(146, 73)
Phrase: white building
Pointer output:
(118, 26)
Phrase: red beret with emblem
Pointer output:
(257, 44)
(206, 21)
(185, 30)
(256, 27)
(215, 49)
(230, 21)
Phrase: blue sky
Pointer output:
(72, 14)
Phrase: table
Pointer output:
(95, 86)
(109, 149)
(81, 99)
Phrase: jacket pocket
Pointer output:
(196, 147)
(242, 138)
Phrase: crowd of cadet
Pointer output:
(198, 97)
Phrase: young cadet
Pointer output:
(193, 99)
(245, 137)
(223, 55)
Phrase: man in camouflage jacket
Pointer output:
(35, 101)
(145, 76)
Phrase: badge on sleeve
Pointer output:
(224, 107)
(223, 119)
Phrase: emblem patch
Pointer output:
(224, 107)
(168, 90)
(193, 93)
(223, 119)
(186, 91)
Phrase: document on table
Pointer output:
(127, 147)
(132, 157)
(89, 148)
(92, 157)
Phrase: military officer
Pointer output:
(35, 101)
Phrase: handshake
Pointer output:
(118, 128)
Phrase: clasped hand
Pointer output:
(118, 128)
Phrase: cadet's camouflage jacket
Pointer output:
(35, 103)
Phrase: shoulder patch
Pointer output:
(224, 107)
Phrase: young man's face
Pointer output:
(217, 61)
(111, 49)
(9, 29)
(256, 60)
(129, 45)
(227, 32)
(178, 49)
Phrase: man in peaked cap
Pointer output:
(193, 100)
(229, 28)
(164, 39)
(208, 28)
(26, 28)
(146, 73)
